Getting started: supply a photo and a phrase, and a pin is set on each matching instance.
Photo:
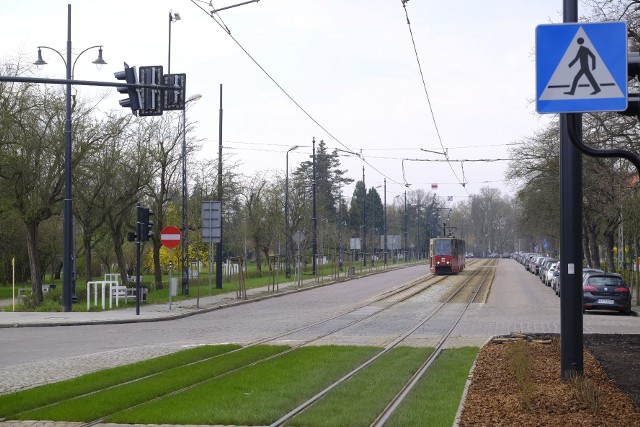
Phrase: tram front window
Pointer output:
(443, 247)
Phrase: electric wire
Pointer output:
(226, 30)
(424, 84)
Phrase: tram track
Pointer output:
(382, 418)
(382, 302)
(355, 315)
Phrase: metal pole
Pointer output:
(364, 220)
(171, 276)
(219, 244)
(67, 261)
(571, 322)
(385, 222)
(314, 218)
(405, 227)
(138, 237)
(185, 226)
(287, 250)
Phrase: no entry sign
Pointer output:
(170, 236)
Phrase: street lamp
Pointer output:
(286, 214)
(68, 270)
(185, 222)
(173, 17)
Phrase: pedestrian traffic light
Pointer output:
(129, 75)
(145, 224)
(151, 99)
(175, 99)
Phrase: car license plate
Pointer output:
(605, 301)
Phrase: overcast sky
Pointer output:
(349, 65)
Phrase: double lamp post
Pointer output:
(68, 264)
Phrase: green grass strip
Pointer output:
(106, 402)
(15, 403)
(435, 399)
(359, 401)
(255, 396)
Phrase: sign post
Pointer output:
(170, 237)
(580, 67)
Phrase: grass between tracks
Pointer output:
(37, 397)
(218, 392)
(435, 399)
(108, 401)
(257, 395)
(358, 401)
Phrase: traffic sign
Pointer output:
(211, 222)
(170, 236)
(581, 67)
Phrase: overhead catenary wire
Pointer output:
(212, 15)
(424, 85)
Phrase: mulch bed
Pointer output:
(495, 398)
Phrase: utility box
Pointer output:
(173, 287)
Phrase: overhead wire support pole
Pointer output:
(219, 244)
(314, 219)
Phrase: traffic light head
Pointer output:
(129, 76)
(151, 99)
(175, 99)
(145, 224)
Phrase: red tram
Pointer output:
(446, 255)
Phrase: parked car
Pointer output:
(534, 268)
(551, 269)
(586, 272)
(606, 291)
(555, 281)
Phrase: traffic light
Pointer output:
(151, 99)
(145, 224)
(129, 75)
(174, 99)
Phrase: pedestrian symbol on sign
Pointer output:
(583, 55)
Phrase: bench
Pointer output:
(131, 293)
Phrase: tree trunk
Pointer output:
(86, 243)
(610, 242)
(34, 263)
(586, 241)
(122, 266)
(593, 246)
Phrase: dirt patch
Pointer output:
(608, 394)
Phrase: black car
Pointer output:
(606, 292)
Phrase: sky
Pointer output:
(345, 72)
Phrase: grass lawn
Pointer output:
(224, 385)
(108, 401)
(358, 401)
(435, 399)
(37, 397)
(255, 396)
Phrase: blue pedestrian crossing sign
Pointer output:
(581, 67)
